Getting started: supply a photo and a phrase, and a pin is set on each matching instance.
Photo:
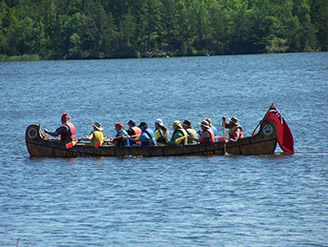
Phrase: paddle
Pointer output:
(67, 145)
(70, 144)
(46, 136)
(224, 138)
(254, 132)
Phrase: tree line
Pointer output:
(75, 29)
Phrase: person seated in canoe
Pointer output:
(147, 137)
(207, 134)
(162, 133)
(190, 131)
(96, 137)
(215, 130)
(133, 131)
(121, 139)
(179, 136)
(235, 129)
(66, 131)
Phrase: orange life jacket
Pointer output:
(208, 139)
(137, 132)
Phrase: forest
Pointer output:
(89, 29)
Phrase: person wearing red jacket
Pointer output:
(66, 131)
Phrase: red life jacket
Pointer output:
(71, 127)
(137, 132)
(208, 139)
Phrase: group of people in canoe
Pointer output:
(143, 135)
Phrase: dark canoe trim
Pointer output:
(59, 148)
(261, 143)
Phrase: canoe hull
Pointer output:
(264, 142)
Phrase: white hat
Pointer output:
(159, 121)
(205, 124)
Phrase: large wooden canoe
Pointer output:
(264, 142)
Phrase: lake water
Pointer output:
(274, 200)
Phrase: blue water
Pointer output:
(274, 200)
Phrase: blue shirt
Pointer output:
(215, 130)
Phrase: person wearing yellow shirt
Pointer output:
(96, 137)
(162, 133)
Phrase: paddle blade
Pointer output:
(70, 144)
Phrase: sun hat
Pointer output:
(120, 124)
(159, 121)
(205, 124)
(187, 123)
(209, 121)
(97, 125)
(142, 124)
(234, 120)
(176, 124)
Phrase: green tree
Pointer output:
(3, 14)
(319, 18)
(304, 38)
(240, 31)
(219, 25)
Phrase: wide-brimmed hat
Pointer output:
(176, 124)
(97, 125)
(234, 120)
(121, 124)
(142, 124)
(209, 121)
(159, 121)
(187, 123)
(205, 124)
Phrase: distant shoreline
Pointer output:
(36, 57)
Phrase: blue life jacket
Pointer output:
(151, 138)
(126, 142)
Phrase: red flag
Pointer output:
(285, 136)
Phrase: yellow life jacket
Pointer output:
(98, 136)
(184, 132)
(233, 129)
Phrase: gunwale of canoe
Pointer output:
(264, 142)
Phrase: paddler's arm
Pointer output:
(235, 136)
(87, 138)
(202, 136)
(178, 135)
(54, 134)
(226, 125)
(193, 138)
(132, 138)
